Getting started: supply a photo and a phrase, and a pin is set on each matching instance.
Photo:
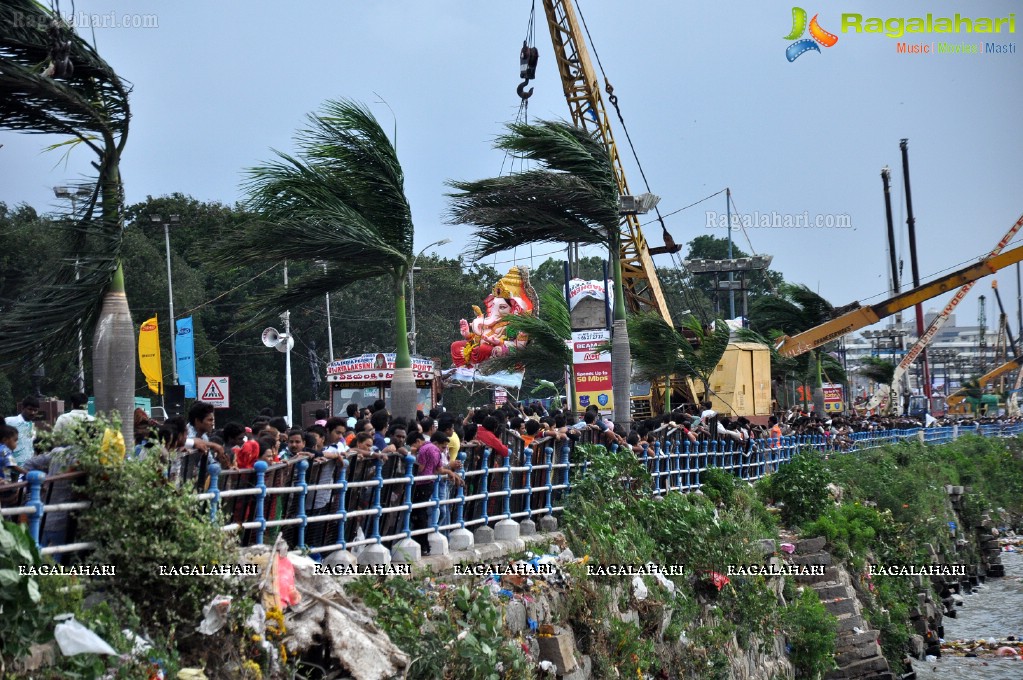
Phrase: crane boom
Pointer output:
(579, 80)
(880, 398)
(860, 316)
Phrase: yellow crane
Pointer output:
(860, 317)
(741, 383)
(586, 106)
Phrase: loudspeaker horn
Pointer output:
(285, 343)
(270, 337)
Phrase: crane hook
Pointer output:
(521, 89)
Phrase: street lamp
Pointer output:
(173, 219)
(412, 292)
(72, 193)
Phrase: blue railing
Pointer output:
(324, 506)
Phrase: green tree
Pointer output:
(571, 197)
(793, 310)
(53, 82)
(340, 201)
(761, 283)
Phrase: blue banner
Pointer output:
(184, 346)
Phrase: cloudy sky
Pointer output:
(705, 89)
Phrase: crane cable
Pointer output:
(613, 99)
(687, 293)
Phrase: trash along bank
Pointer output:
(672, 586)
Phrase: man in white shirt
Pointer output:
(78, 413)
(24, 423)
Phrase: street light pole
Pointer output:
(413, 345)
(287, 355)
(72, 194)
(157, 219)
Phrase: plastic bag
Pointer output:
(286, 581)
(215, 615)
(74, 638)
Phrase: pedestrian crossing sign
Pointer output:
(215, 390)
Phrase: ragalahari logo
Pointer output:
(818, 34)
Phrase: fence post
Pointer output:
(35, 485)
(376, 553)
(566, 461)
(461, 538)
(342, 502)
(302, 466)
(507, 529)
(527, 527)
(408, 550)
(657, 468)
(485, 533)
(549, 522)
(260, 468)
(214, 477)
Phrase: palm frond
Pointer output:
(563, 147)
(549, 333)
(94, 98)
(655, 346)
(89, 107)
(877, 369)
(700, 362)
(571, 197)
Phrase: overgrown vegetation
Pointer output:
(613, 517)
(139, 521)
(449, 633)
(800, 486)
(811, 634)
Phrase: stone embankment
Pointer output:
(858, 655)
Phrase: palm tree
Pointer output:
(53, 82)
(340, 201)
(660, 351)
(549, 329)
(572, 197)
(704, 351)
(796, 308)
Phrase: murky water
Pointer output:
(994, 610)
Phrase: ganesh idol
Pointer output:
(486, 335)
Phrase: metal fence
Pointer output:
(351, 503)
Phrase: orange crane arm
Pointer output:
(861, 317)
(579, 80)
(959, 395)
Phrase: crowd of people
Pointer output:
(434, 439)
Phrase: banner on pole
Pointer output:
(149, 355)
(592, 370)
(184, 346)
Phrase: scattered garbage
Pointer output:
(74, 638)
(215, 614)
(639, 589)
(788, 548)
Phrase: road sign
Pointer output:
(214, 390)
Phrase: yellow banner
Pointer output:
(149, 355)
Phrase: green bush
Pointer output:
(718, 485)
(140, 521)
(801, 486)
(455, 635)
(24, 620)
(812, 634)
(852, 529)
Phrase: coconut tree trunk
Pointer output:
(818, 389)
(621, 355)
(113, 357)
(403, 385)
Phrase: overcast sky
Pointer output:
(706, 91)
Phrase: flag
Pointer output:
(149, 355)
(184, 345)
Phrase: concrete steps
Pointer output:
(857, 653)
